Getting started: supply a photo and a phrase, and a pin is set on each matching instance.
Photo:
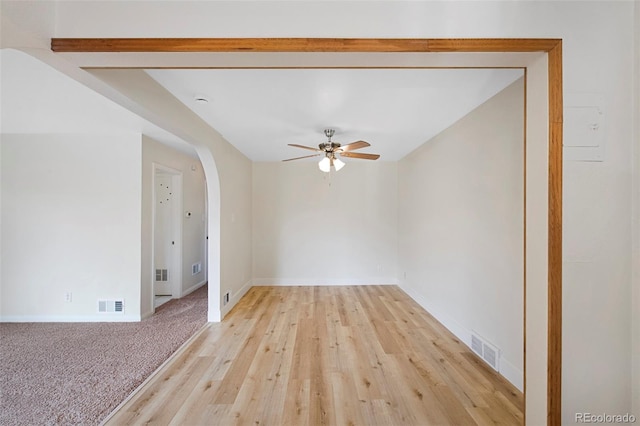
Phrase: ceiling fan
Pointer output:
(330, 149)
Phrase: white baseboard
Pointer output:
(72, 318)
(193, 288)
(453, 326)
(287, 282)
(147, 315)
(214, 315)
(217, 315)
(514, 375)
(89, 318)
(235, 297)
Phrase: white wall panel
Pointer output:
(312, 228)
(70, 224)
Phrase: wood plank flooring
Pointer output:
(353, 355)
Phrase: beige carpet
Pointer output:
(77, 373)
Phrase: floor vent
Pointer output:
(111, 306)
(485, 350)
(196, 268)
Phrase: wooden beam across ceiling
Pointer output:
(139, 45)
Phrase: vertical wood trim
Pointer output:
(524, 248)
(554, 345)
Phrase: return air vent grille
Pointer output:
(196, 268)
(476, 344)
(161, 275)
(485, 350)
(111, 306)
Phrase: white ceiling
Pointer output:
(260, 111)
(35, 98)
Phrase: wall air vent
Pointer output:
(196, 268)
(476, 344)
(485, 350)
(111, 306)
(161, 275)
(490, 355)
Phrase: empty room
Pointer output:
(285, 213)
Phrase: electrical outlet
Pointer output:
(225, 299)
(68, 297)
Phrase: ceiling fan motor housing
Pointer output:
(330, 149)
(329, 146)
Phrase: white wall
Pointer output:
(227, 172)
(235, 224)
(314, 228)
(193, 242)
(461, 235)
(635, 300)
(598, 54)
(597, 321)
(70, 223)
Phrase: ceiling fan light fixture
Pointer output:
(325, 164)
(331, 150)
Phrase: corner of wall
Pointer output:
(507, 370)
(193, 288)
(235, 298)
(443, 256)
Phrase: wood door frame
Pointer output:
(553, 50)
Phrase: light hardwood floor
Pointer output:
(353, 355)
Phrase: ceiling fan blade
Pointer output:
(353, 146)
(299, 158)
(360, 155)
(304, 147)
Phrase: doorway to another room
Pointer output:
(167, 230)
